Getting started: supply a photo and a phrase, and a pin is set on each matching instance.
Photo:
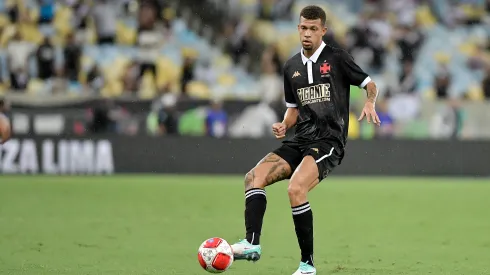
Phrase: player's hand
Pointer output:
(279, 129)
(370, 113)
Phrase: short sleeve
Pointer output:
(352, 72)
(288, 91)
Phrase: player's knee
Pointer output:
(252, 180)
(296, 190)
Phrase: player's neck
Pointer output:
(309, 53)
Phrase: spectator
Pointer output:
(205, 73)
(486, 84)
(408, 82)
(95, 79)
(149, 39)
(19, 52)
(187, 74)
(238, 35)
(409, 40)
(167, 116)
(270, 84)
(130, 77)
(46, 59)
(216, 120)
(46, 11)
(442, 81)
(72, 56)
(387, 128)
(266, 9)
(105, 17)
(101, 122)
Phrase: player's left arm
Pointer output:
(357, 77)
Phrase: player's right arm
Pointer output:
(291, 116)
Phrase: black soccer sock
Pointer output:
(303, 223)
(255, 205)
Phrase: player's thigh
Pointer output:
(276, 166)
(326, 157)
(318, 161)
(305, 177)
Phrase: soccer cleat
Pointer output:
(305, 269)
(243, 250)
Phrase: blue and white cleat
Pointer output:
(243, 250)
(305, 269)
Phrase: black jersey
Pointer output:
(320, 88)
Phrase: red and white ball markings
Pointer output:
(215, 255)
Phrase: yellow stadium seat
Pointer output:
(124, 34)
(113, 88)
(3, 89)
(168, 14)
(264, 31)
(34, 86)
(429, 94)
(226, 80)
(190, 52)
(167, 71)
(467, 48)
(222, 62)
(442, 57)
(248, 2)
(31, 33)
(4, 21)
(424, 16)
(8, 32)
(61, 21)
(34, 15)
(475, 92)
(148, 87)
(118, 67)
(198, 89)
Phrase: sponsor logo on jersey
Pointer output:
(314, 94)
(296, 74)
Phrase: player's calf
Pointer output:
(304, 179)
(268, 171)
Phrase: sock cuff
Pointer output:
(300, 209)
(255, 192)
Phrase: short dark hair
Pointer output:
(313, 13)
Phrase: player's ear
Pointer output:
(325, 29)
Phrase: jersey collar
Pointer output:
(315, 56)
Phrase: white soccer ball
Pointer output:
(215, 255)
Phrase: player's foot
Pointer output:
(243, 250)
(305, 269)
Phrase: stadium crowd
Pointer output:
(417, 50)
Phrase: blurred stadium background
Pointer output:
(133, 88)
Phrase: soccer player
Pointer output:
(316, 83)
(5, 130)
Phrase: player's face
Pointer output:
(311, 33)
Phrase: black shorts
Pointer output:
(326, 156)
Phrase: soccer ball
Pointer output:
(215, 255)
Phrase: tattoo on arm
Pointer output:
(372, 92)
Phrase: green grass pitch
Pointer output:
(154, 224)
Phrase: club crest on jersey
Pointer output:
(314, 94)
(325, 68)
